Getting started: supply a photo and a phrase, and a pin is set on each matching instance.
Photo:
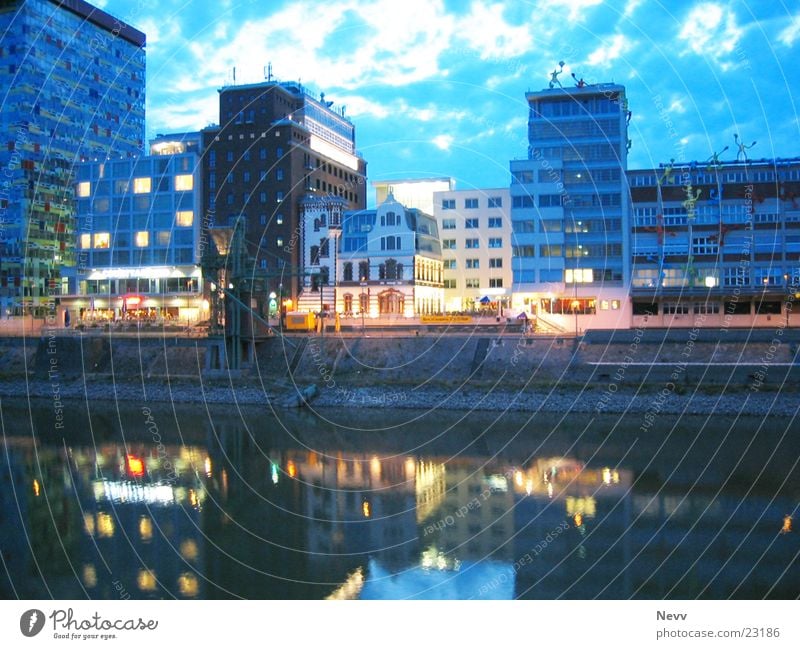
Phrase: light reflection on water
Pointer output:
(223, 515)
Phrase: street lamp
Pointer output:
(361, 301)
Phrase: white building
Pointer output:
(475, 229)
(381, 262)
(413, 192)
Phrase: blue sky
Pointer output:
(436, 88)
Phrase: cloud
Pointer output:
(630, 7)
(443, 142)
(577, 8)
(485, 29)
(791, 32)
(604, 55)
(710, 30)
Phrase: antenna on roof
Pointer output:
(268, 71)
(234, 75)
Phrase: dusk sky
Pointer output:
(436, 88)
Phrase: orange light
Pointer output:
(36, 488)
(787, 525)
(133, 300)
(135, 466)
(291, 469)
(578, 519)
(365, 509)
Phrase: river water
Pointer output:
(127, 501)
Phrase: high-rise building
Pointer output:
(138, 235)
(276, 144)
(569, 209)
(716, 243)
(475, 229)
(73, 80)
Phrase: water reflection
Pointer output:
(234, 518)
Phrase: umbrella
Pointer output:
(485, 300)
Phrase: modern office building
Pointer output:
(569, 204)
(413, 192)
(716, 244)
(73, 81)
(381, 262)
(274, 145)
(475, 230)
(139, 235)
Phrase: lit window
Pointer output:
(89, 576)
(163, 238)
(581, 275)
(141, 185)
(142, 239)
(184, 218)
(184, 183)
(102, 240)
(188, 585)
(279, 219)
(86, 241)
(84, 189)
(279, 241)
(145, 528)
(146, 580)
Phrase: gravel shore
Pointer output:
(657, 399)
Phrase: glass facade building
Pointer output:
(569, 207)
(73, 80)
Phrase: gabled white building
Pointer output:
(381, 262)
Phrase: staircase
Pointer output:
(309, 300)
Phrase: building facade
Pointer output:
(74, 89)
(413, 192)
(381, 262)
(716, 244)
(138, 236)
(274, 145)
(475, 230)
(569, 204)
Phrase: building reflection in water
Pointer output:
(231, 519)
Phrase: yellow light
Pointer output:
(141, 185)
(549, 490)
(146, 580)
(578, 518)
(411, 468)
(88, 524)
(192, 498)
(787, 525)
(141, 239)
(105, 525)
(207, 466)
(291, 469)
(184, 218)
(606, 476)
(184, 183)
(89, 576)
(36, 488)
(189, 550)
(145, 528)
(518, 478)
(188, 585)
(84, 189)
(375, 468)
(365, 508)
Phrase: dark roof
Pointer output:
(102, 19)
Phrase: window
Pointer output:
(495, 201)
(279, 152)
(526, 225)
(141, 185)
(390, 219)
(523, 251)
(279, 219)
(262, 197)
(262, 154)
(279, 242)
(278, 197)
(705, 245)
(246, 176)
(449, 204)
(184, 183)
(471, 224)
(84, 189)
(473, 282)
(162, 238)
(390, 243)
(522, 201)
(496, 242)
(262, 219)
(473, 263)
(550, 251)
(279, 174)
(580, 275)
(141, 239)
(736, 276)
(450, 283)
(706, 307)
(473, 243)
(550, 200)
(495, 282)
(102, 240)
(471, 203)
(495, 222)
(449, 264)
(184, 219)
(86, 241)
(448, 224)
(348, 274)
(676, 308)
(496, 262)
(448, 244)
